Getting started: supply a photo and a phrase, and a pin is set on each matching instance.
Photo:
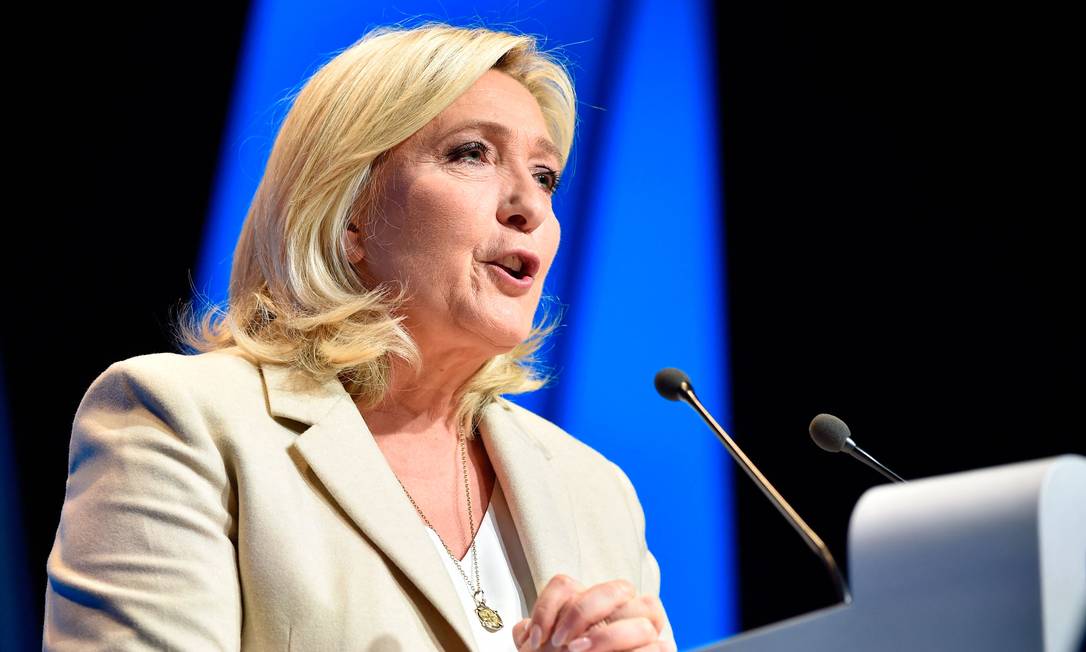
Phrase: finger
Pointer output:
(648, 606)
(590, 607)
(520, 632)
(657, 646)
(628, 634)
(554, 595)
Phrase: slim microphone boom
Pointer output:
(831, 434)
(674, 385)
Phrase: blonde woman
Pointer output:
(337, 469)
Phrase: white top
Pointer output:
(503, 573)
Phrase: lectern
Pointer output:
(990, 560)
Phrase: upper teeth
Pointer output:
(511, 262)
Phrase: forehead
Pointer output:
(495, 91)
(495, 102)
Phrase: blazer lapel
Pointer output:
(540, 504)
(341, 451)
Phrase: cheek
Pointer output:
(548, 248)
(429, 224)
(557, 237)
(446, 215)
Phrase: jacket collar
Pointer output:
(539, 501)
(341, 451)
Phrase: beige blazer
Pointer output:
(214, 504)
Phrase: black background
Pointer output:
(903, 252)
(902, 243)
(119, 114)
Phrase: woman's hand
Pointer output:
(605, 617)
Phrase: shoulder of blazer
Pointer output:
(224, 366)
(207, 384)
(554, 441)
(586, 464)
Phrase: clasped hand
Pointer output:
(605, 617)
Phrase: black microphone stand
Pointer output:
(814, 542)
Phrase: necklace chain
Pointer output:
(477, 589)
(488, 618)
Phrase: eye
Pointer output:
(549, 178)
(474, 151)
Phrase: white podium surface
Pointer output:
(987, 560)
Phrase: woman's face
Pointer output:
(466, 220)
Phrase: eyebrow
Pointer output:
(540, 143)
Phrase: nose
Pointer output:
(525, 205)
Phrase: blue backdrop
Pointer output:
(640, 272)
(14, 578)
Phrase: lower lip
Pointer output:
(508, 282)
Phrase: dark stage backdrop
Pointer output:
(902, 250)
(119, 117)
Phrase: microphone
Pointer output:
(831, 434)
(674, 385)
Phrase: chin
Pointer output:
(504, 340)
(507, 344)
(501, 330)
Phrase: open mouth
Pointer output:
(519, 265)
(513, 266)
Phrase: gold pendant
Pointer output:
(488, 618)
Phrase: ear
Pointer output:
(352, 242)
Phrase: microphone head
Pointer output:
(829, 432)
(673, 383)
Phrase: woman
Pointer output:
(337, 468)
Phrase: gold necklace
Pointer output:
(488, 618)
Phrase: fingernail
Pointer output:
(579, 645)
(559, 638)
(535, 638)
(519, 639)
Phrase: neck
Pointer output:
(424, 403)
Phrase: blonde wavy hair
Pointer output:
(294, 297)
